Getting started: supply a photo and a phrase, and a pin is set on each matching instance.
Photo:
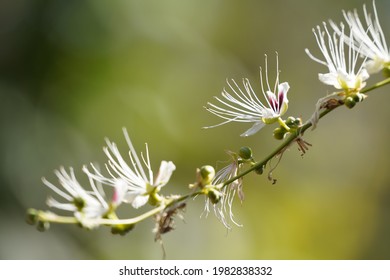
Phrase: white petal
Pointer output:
(120, 189)
(284, 87)
(364, 74)
(164, 173)
(94, 211)
(87, 222)
(329, 79)
(139, 201)
(374, 66)
(255, 128)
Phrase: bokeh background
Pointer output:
(74, 72)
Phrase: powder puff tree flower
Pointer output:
(341, 63)
(368, 38)
(86, 205)
(245, 106)
(141, 186)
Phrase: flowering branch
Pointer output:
(350, 59)
(295, 136)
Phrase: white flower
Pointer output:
(342, 70)
(245, 106)
(86, 205)
(139, 185)
(225, 205)
(368, 38)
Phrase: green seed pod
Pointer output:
(358, 97)
(214, 196)
(207, 173)
(259, 170)
(386, 71)
(43, 226)
(279, 133)
(297, 122)
(290, 121)
(122, 229)
(245, 153)
(32, 216)
(349, 102)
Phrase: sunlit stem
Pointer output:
(53, 218)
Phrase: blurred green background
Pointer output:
(74, 72)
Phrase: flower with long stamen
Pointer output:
(341, 63)
(86, 205)
(141, 185)
(223, 209)
(368, 38)
(245, 106)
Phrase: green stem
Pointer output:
(50, 217)
(377, 85)
(294, 136)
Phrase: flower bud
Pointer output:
(43, 226)
(350, 102)
(279, 133)
(358, 97)
(245, 153)
(122, 229)
(32, 216)
(290, 121)
(214, 195)
(386, 71)
(207, 173)
(259, 170)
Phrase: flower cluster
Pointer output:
(368, 38)
(343, 73)
(365, 43)
(140, 188)
(132, 183)
(349, 56)
(351, 52)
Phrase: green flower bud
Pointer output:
(386, 71)
(350, 102)
(214, 195)
(43, 226)
(259, 170)
(122, 229)
(279, 133)
(290, 121)
(358, 97)
(245, 153)
(207, 173)
(297, 122)
(32, 216)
